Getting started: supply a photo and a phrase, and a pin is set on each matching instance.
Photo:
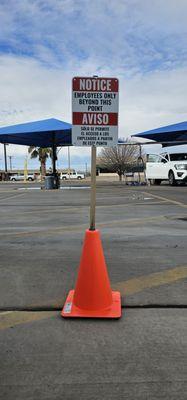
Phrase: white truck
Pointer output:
(21, 177)
(166, 166)
(72, 175)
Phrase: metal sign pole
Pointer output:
(93, 188)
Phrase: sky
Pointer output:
(43, 44)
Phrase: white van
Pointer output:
(165, 166)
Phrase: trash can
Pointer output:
(49, 182)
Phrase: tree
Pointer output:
(119, 158)
(42, 154)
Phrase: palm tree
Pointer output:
(42, 154)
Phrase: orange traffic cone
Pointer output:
(92, 297)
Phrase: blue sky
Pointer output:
(44, 43)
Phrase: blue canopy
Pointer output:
(170, 135)
(43, 133)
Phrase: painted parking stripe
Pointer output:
(65, 229)
(166, 277)
(178, 203)
(10, 319)
(63, 209)
(12, 197)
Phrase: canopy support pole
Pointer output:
(5, 158)
(54, 158)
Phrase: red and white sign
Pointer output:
(95, 111)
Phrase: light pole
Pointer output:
(10, 160)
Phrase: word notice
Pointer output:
(95, 111)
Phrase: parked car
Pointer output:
(166, 166)
(72, 175)
(20, 177)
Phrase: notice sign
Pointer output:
(95, 111)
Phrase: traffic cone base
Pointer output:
(70, 310)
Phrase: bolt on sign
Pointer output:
(95, 111)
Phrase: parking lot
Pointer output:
(140, 356)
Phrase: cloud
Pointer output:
(132, 35)
(31, 91)
(44, 44)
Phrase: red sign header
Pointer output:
(95, 118)
(95, 84)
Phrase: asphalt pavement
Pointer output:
(140, 356)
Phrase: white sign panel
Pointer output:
(95, 111)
